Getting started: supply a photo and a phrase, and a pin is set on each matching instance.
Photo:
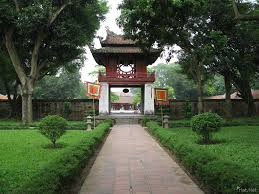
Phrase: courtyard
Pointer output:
(129, 97)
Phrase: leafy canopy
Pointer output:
(66, 27)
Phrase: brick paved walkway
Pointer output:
(132, 162)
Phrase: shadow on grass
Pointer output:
(211, 142)
(57, 146)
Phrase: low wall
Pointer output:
(239, 107)
(78, 108)
(176, 109)
(42, 108)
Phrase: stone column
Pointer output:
(149, 104)
(104, 99)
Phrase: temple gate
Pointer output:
(126, 66)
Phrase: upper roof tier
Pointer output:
(117, 44)
(113, 39)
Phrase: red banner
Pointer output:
(93, 90)
(161, 96)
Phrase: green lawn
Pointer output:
(26, 160)
(221, 167)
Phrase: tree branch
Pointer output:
(35, 54)
(235, 8)
(14, 55)
(240, 17)
(16, 5)
(57, 13)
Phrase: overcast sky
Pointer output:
(109, 22)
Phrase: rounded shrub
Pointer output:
(205, 124)
(53, 127)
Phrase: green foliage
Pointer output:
(137, 95)
(109, 121)
(169, 75)
(53, 127)
(64, 85)
(144, 120)
(210, 38)
(220, 168)
(114, 97)
(205, 124)
(42, 170)
(67, 109)
(44, 36)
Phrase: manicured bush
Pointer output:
(109, 121)
(144, 120)
(205, 124)
(53, 127)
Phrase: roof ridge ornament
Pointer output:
(109, 32)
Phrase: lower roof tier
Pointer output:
(101, 55)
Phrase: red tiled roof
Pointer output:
(114, 39)
(216, 97)
(2, 97)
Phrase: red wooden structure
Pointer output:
(125, 66)
(125, 62)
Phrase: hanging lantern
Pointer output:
(126, 90)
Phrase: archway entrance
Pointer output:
(127, 100)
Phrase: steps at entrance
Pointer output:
(123, 118)
(127, 120)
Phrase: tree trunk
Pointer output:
(27, 113)
(200, 89)
(228, 107)
(251, 110)
(246, 94)
(24, 109)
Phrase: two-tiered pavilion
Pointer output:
(126, 66)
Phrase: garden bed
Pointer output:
(228, 167)
(28, 165)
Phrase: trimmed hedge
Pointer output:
(205, 124)
(61, 172)
(17, 125)
(211, 170)
(253, 121)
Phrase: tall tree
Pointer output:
(172, 22)
(41, 36)
(190, 24)
(235, 49)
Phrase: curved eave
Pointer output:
(100, 54)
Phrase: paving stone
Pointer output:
(131, 162)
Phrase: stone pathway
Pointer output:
(131, 162)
